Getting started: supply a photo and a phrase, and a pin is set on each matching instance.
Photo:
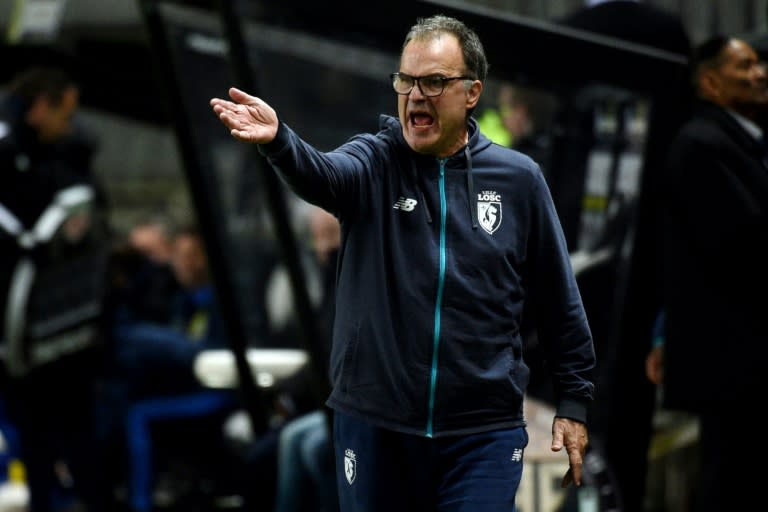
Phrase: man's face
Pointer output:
(189, 261)
(740, 82)
(54, 120)
(436, 125)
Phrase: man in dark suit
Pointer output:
(716, 274)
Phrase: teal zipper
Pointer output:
(438, 300)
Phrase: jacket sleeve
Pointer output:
(559, 316)
(325, 179)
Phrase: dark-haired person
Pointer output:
(44, 155)
(716, 249)
(160, 405)
(444, 237)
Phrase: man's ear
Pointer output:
(709, 85)
(473, 93)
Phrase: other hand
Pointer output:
(573, 435)
(248, 118)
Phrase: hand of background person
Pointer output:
(573, 435)
(248, 118)
(654, 364)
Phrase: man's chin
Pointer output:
(423, 145)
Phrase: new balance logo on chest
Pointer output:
(405, 204)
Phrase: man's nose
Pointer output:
(416, 90)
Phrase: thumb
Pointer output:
(237, 95)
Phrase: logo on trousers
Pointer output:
(350, 465)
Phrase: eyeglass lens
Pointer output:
(428, 85)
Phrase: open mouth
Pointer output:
(421, 119)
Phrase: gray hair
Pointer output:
(471, 47)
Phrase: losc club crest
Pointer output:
(350, 465)
(489, 211)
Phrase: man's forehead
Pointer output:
(738, 50)
(440, 51)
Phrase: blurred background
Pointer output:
(122, 93)
(593, 95)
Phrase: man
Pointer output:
(155, 394)
(428, 377)
(160, 356)
(716, 248)
(43, 156)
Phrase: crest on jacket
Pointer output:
(489, 211)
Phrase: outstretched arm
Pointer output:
(248, 118)
(573, 435)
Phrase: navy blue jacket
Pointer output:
(437, 259)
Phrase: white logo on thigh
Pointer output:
(350, 465)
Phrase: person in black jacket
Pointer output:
(716, 248)
(45, 154)
(445, 237)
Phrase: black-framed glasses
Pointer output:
(430, 85)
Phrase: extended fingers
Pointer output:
(229, 113)
(222, 106)
(573, 475)
(558, 432)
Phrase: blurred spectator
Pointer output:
(715, 247)
(528, 115)
(143, 285)
(305, 462)
(164, 410)
(43, 155)
(152, 237)
(522, 119)
(148, 350)
(141, 289)
(152, 403)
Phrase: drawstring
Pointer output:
(471, 188)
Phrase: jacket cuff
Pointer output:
(573, 410)
(280, 142)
